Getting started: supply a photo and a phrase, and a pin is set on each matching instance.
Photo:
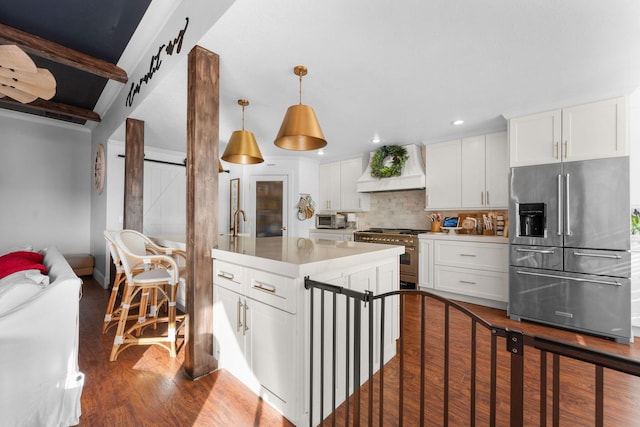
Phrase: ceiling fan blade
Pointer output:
(18, 95)
(11, 56)
(42, 77)
(39, 91)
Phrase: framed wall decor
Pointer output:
(234, 199)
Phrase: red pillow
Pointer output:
(18, 261)
(28, 255)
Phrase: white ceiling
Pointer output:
(404, 70)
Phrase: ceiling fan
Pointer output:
(20, 79)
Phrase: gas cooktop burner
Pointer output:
(394, 231)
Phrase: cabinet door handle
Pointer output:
(567, 208)
(482, 198)
(238, 321)
(556, 145)
(566, 144)
(597, 255)
(471, 255)
(488, 199)
(575, 279)
(536, 251)
(226, 275)
(560, 218)
(264, 287)
(467, 282)
(246, 328)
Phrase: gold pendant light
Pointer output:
(242, 147)
(300, 130)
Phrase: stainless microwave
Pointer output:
(330, 220)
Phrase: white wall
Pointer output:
(45, 183)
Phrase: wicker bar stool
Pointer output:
(147, 276)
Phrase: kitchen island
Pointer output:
(262, 314)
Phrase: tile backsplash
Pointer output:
(405, 209)
(395, 209)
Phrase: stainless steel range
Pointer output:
(401, 237)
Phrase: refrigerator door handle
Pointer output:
(567, 206)
(597, 255)
(559, 233)
(575, 279)
(536, 251)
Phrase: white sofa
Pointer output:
(40, 383)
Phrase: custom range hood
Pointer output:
(412, 177)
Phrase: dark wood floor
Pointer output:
(146, 387)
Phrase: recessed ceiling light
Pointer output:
(321, 152)
(375, 139)
(457, 122)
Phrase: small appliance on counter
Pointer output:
(352, 221)
(330, 220)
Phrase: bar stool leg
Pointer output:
(122, 322)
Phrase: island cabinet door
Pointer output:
(229, 332)
(270, 348)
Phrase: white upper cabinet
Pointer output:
(443, 175)
(338, 181)
(329, 186)
(590, 131)
(497, 170)
(471, 173)
(350, 199)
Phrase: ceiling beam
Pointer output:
(56, 107)
(61, 54)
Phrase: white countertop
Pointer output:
(292, 256)
(464, 237)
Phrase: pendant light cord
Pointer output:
(300, 75)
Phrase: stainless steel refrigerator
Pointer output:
(570, 261)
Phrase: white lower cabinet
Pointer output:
(475, 271)
(252, 337)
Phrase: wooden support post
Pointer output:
(202, 206)
(134, 175)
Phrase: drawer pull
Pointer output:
(598, 255)
(467, 282)
(226, 275)
(472, 255)
(536, 251)
(264, 287)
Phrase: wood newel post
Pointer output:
(202, 206)
(133, 175)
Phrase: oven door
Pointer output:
(409, 265)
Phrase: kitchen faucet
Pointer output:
(236, 217)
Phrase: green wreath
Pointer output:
(378, 168)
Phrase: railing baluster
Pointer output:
(556, 390)
(599, 396)
(472, 415)
(423, 346)
(322, 354)
(348, 346)
(543, 388)
(446, 365)
(381, 385)
(333, 361)
(311, 357)
(357, 325)
(401, 373)
(492, 399)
